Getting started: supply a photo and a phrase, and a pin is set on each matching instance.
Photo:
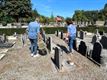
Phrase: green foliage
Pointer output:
(16, 9)
(4, 23)
(10, 31)
(91, 16)
(51, 30)
(92, 29)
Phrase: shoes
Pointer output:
(32, 55)
(37, 55)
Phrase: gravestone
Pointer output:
(23, 39)
(6, 45)
(15, 34)
(61, 34)
(57, 33)
(105, 24)
(94, 39)
(82, 34)
(49, 43)
(78, 34)
(58, 57)
(4, 38)
(105, 34)
(75, 44)
(3, 43)
(82, 48)
(2, 55)
(43, 35)
(96, 32)
(101, 32)
(1, 39)
(104, 42)
(96, 52)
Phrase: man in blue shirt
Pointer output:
(71, 33)
(33, 35)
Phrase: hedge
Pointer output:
(10, 31)
(92, 29)
(49, 30)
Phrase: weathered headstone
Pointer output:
(1, 39)
(6, 45)
(105, 24)
(94, 39)
(44, 36)
(78, 34)
(57, 34)
(75, 44)
(82, 34)
(82, 48)
(58, 57)
(101, 32)
(4, 38)
(96, 52)
(61, 34)
(49, 43)
(23, 39)
(15, 34)
(96, 32)
(104, 42)
(3, 43)
(2, 55)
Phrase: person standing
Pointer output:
(33, 35)
(71, 33)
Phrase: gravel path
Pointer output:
(19, 65)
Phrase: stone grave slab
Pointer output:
(104, 42)
(94, 39)
(11, 38)
(96, 52)
(82, 48)
(3, 50)
(6, 45)
(82, 34)
(1, 56)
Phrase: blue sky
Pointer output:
(66, 8)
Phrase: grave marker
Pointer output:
(49, 43)
(94, 39)
(58, 57)
(82, 48)
(75, 44)
(61, 34)
(57, 34)
(104, 42)
(96, 52)
(82, 34)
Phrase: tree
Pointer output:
(17, 9)
(105, 11)
(35, 13)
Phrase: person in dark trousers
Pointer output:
(33, 35)
(71, 34)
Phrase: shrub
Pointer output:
(10, 31)
(51, 30)
(4, 23)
